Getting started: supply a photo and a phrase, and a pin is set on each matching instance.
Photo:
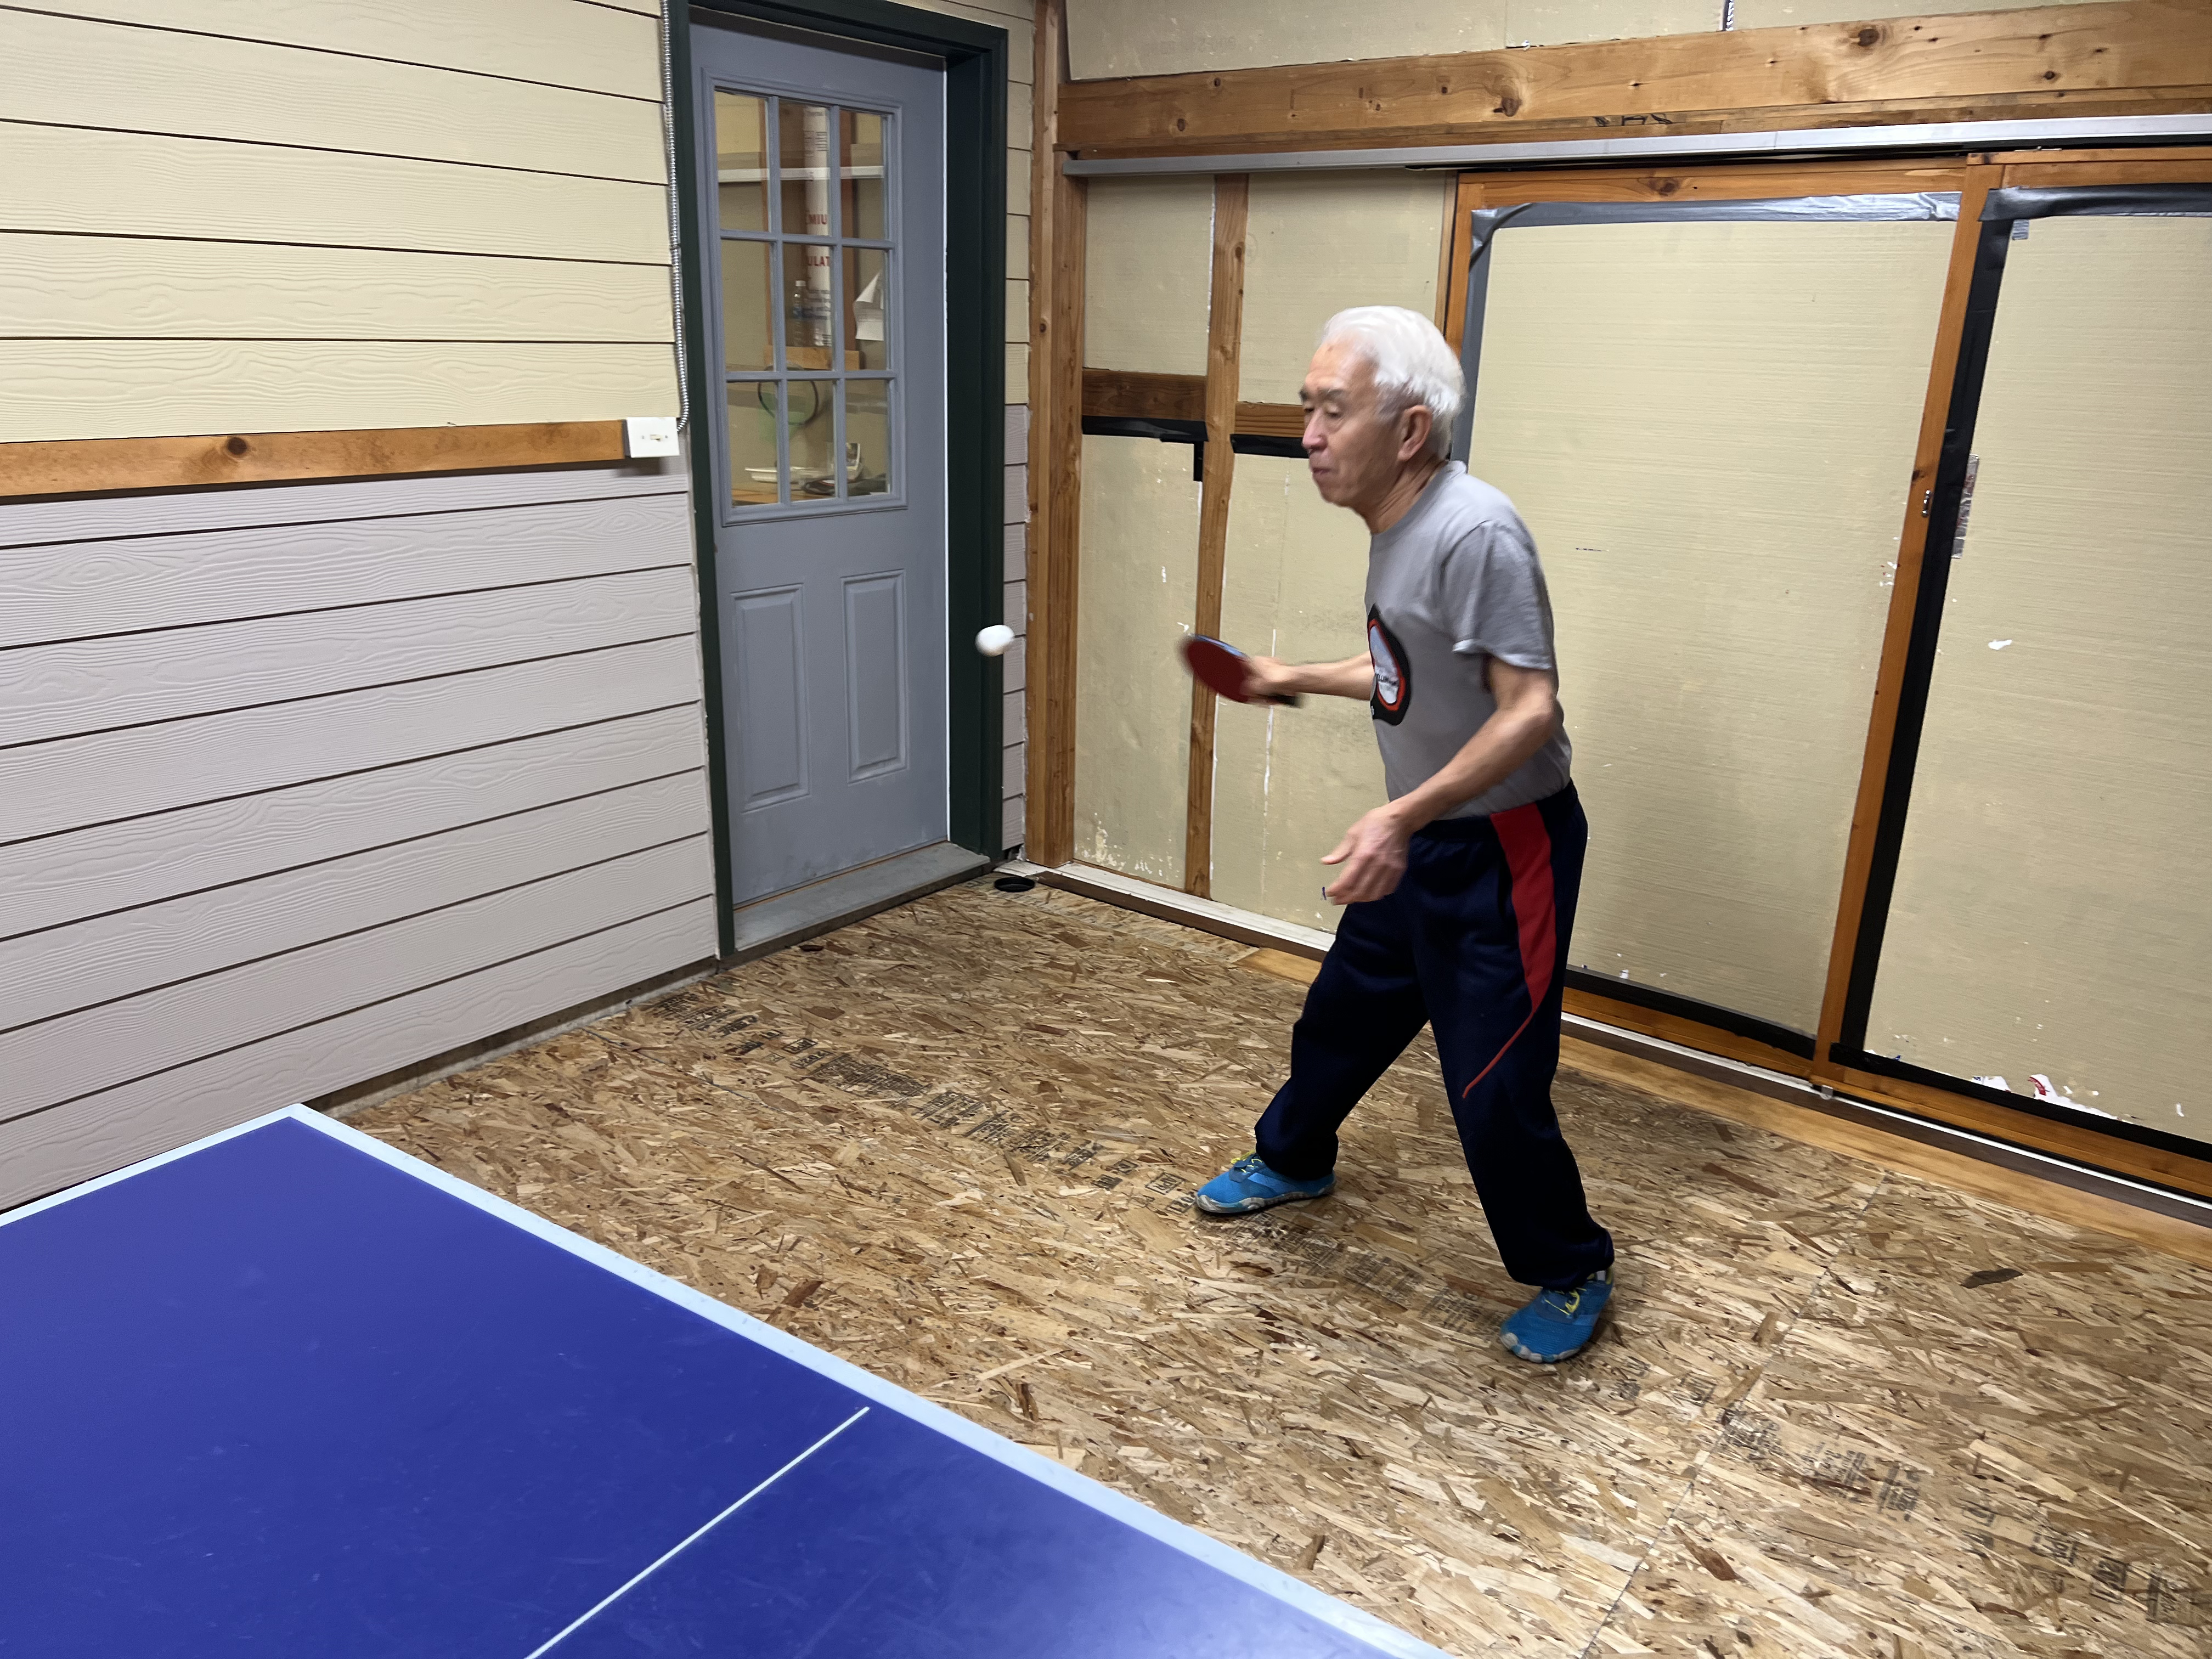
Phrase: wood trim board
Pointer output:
(1224, 334)
(1120, 394)
(1854, 73)
(82, 466)
(1055, 457)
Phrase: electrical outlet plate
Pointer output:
(650, 434)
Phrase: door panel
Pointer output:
(772, 762)
(822, 175)
(875, 673)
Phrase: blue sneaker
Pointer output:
(1558, 1324)
(1248, 1185)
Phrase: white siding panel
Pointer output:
(46, 787)
(74, 589)
(51, 691)
(142, 861)
(51, 972)
(49, 1150)
(97, 1049)
(129, 184)
(168, 81)
(23, 524)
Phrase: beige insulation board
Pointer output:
(1148, 254)
(1318, 243)
(2053, 906)
(1111, 37)
(1709, 428)
(1135, 600)
(1288, 782)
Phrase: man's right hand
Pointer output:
(1266, 680)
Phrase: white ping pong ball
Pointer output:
(994, 640)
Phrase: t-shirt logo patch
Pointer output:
(1394, 675)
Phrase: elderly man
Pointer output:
(1459, 894)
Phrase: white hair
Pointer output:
(1412, 364)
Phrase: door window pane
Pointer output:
(803, 165)
(809, 314)
(754, 408)
(868, 308)
(867, 437)
(748, 302)
(741, 159)
(860, 166)
(810, 412)
(796, 303)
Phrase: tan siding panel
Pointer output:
(132, 184)
(161, 80)
(563, 43)
(81, 1054)
(62, 878)
(2053, 908)
(131, 952)
(51, 692)
(73, 591)
(50, 1149)
(93, 287)
(650, 8)
(51, 786)
(164, 388)
(23, 523)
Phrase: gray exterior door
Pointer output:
(824, 175)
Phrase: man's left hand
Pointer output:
(1373, 854)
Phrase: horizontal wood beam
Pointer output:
(1118, 394)
(2084, 59)
(76, 466)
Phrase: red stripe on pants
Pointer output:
(1527, 846)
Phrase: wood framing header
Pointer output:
(2135, 57)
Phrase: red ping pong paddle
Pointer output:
(1221, 666)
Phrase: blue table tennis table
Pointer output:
(289, 1392)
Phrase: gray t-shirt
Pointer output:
(1453, 582)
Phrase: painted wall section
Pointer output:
(1148, 252)
(1111, 37)
(1713, 459)
(302, 785)
(2053, 908)
(1319, 242)
(305, 218)
(1137, 592)
(1288, 782)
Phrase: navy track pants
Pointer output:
(1474, 942)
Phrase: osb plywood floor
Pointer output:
(1841, 1411)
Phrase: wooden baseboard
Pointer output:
(79, 467)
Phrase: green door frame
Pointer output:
(975, 61)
